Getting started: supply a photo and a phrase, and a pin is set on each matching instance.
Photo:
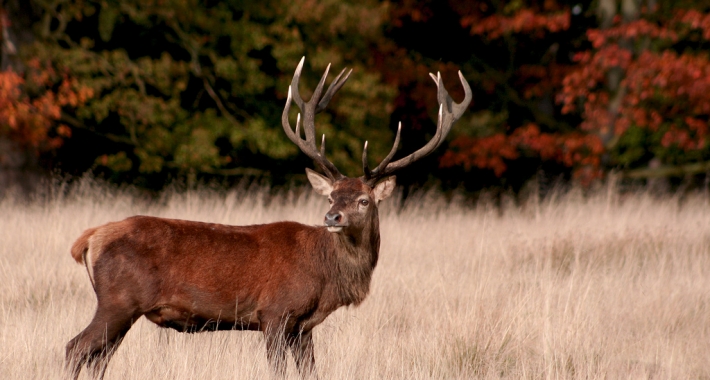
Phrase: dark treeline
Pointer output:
(157, 91)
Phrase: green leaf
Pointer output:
(107, 21)
(117, 162)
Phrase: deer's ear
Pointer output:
(321, 184)
(384, 188)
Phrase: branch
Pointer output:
(242, 171)
(511, 94)
(668, 171)
(196, 69)
(235, 171)
(76, 123)
(218, 101)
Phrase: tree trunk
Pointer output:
(19, 169)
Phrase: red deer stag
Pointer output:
(281, 278)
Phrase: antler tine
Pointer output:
(284, 119)
(310, 109)
(309, 117)
(460, 108)
(293, 88)
(386, 161)
(335, 85)
(298, 125)
(449, 112)
(365, 165)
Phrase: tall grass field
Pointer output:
(601, 286)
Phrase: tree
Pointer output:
(655, 108)
(196, 89)
(570, 89)
(516, 55)
(33, 94)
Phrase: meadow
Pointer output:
(602, 285)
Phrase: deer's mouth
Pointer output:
(335, 222)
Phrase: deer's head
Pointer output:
(354, 201)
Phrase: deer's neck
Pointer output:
(355, 259)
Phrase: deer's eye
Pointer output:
(364, 202)
(330, 200)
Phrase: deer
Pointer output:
(282, 279)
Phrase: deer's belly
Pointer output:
(184, 320)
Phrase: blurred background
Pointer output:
(158, 92)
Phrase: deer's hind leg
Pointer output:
(95, 345)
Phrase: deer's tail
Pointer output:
(81, 245)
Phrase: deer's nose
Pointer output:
(333, 218)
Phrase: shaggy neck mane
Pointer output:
(355, 260)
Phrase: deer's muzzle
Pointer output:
(333, 220)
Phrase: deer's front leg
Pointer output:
(302, 349)
(276, 352)
(274, 327)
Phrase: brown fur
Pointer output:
(281, 278)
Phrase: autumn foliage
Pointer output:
(663, 96)
(168, 89)
(575, 150)
(30, 108)
(638, 90)
(525, 20)
(537, 136)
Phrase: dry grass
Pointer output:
(574, 287)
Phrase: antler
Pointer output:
(310, 109)
(449, 112)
